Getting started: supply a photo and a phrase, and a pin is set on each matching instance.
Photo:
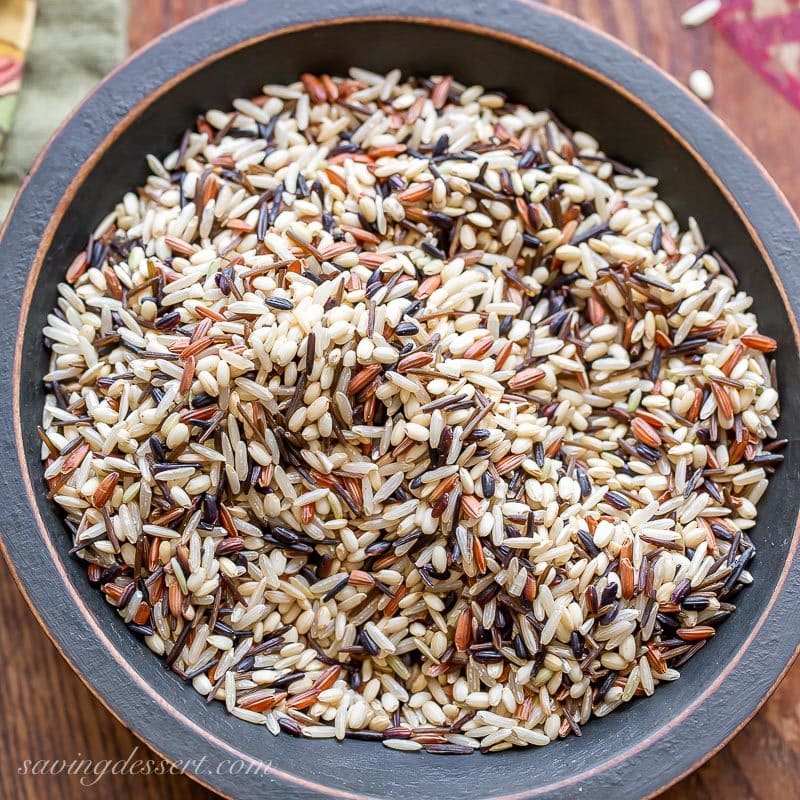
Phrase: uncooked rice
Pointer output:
(393, 410)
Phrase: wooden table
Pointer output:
(46, 711)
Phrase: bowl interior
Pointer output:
(626, 132)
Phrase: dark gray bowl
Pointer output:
(540, 57)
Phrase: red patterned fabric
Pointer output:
(767, 35)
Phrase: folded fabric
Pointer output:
(16, 27)
(74, 45)
(767, 35)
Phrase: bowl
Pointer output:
(540, 57)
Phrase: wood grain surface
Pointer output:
(47, 713)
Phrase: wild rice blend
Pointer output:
(398, 411)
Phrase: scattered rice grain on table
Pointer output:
(391, 409)
(700, 13)
(701, 83)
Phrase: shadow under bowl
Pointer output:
(544, 59)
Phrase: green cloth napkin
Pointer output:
(75, 43)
